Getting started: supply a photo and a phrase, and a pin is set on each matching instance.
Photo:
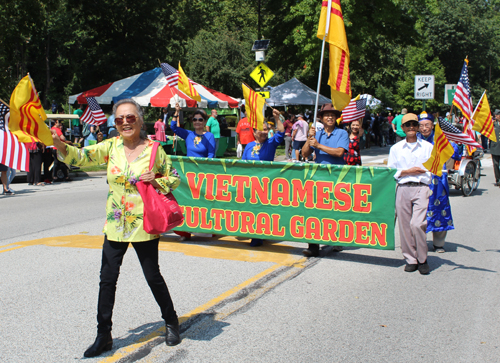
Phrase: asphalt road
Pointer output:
(242, 304)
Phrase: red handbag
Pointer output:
(161, 212)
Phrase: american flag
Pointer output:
(354, 110)
(170, 73)
(454, 134)
(462, 98)
(13, 153)
(93, 114)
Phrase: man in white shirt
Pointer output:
(412, 193)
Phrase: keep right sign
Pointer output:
(424, 87)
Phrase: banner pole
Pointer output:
(327, 26)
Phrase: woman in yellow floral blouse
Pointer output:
(128, 158)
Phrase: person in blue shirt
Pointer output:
(199, 143)
(329, 144)
(264, 148)
(439, 218)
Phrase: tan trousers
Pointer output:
(411, 209)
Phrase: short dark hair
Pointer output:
(200, 112)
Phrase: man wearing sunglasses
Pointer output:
(412, 193)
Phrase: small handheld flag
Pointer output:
(13, 153)
(93, 114)
(441, 152)
(355, 110)
(462, 99)
(254, 107)
(186, 86)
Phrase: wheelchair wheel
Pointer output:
(468, 179)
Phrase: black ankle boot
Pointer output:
(172, 335)
(103, 342)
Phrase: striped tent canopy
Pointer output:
(151, 88)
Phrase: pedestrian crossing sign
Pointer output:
(262, 74)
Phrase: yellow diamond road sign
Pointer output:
(262, 74)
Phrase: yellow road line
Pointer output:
(129, 349)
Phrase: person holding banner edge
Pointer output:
(329, 145)
(264, 148)
(199, 143)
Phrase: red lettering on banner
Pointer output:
(329, 229)
(240, 181)
(379, 233)
(344, 201)
(182, 211)
(260, 190)
(280, 190)
(209, 192)
(322, 196)
(223, 182)
(313, 228)
(232, 220)
(192, 217)
(263, 224)
(361, 233)
(303, 192)
(295, 230)
(204, 215)
(346, 231)
(217, 215)
(276, 230)
(361, 193)
(247, 222)
(194, 187)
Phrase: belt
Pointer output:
(413, 184)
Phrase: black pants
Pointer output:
(59, 166)
(35, 172)
(496, 169)
(112, 257)
(47, 159)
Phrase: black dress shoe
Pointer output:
(172, 336)
(424, 268)
(103, 342)
(312, 250)
(410, 267)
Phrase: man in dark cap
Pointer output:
(329, 145)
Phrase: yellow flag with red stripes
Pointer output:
(27, 116)
(441, 152)
(186, 86)
(254, 106)
(483, 121)
(332, 25)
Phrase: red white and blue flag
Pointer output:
(462, 99)
(13, 153)
(354, 110)
(170, 73)
(93, 114)
(454, 134)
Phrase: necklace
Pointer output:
(135, 148)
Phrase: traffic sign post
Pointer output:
(449, 93)
(262, 74)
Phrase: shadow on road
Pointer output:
(367, 259)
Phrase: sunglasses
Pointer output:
(198, 119)
(130, 120)
(411, 123)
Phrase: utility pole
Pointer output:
(258, 19)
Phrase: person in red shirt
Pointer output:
(57, 164)
(244, 131)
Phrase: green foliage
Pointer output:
(69, 46)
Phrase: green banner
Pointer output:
(312, 203)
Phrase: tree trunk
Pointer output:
(47, 71)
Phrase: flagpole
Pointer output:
(327, 26)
